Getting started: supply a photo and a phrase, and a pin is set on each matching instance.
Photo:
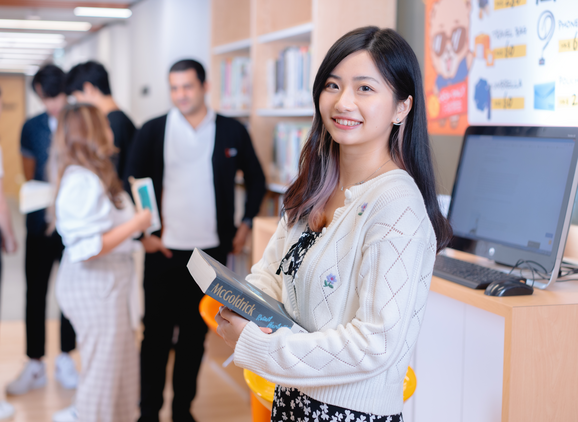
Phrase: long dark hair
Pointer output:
(408, 144)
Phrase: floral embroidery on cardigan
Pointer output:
(330, 280)
(362, 208)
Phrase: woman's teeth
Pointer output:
(347, 122)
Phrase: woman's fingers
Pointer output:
(227, 314)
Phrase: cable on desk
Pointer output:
(539, 272)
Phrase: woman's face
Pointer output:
(357, 106)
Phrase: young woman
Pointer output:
(95, 218)
(352, 257)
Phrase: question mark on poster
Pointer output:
(546, 25)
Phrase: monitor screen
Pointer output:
(512, 191)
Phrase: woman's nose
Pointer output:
(345, 102)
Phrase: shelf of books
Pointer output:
(265, 54)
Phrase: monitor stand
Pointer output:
(565, 230)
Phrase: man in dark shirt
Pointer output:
(88, 82)
(42, 250)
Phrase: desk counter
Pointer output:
(479, 357)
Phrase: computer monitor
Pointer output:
(513, 194)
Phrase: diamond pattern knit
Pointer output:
(360, 292)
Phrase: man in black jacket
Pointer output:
(192, 156)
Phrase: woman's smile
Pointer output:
(344, 123)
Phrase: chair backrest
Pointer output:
(208, 308)
(409, 384)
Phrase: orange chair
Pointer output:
(209, 308)
(263, 390)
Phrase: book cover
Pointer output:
(143, 194)
(239, 295)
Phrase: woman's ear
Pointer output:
(403, 109)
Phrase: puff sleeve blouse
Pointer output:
(84, 213)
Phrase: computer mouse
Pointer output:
(508, 288)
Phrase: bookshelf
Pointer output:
(260, 30)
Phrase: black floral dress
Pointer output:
(290, 404)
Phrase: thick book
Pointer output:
(239, 295)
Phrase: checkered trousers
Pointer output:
(94, 295)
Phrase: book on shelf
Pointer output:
(235, 91)
(239, 295)
(143, 193)
(289, 139)
(289, 79)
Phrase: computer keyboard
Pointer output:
(468, 274)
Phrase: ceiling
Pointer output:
(22, 51)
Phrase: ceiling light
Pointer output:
(29, 51)
(103, 12)
(31, 35)
(30, 40)
(30, 47)
(44, 25)
(20, 68)
(4, 62)
(18, 56)
(30, 44)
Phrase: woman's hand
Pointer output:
(231, 325)
(115, 236)
(142, 219)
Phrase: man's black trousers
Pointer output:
(171, 300)
(41, 253)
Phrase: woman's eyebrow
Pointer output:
(363, 78)
(356, 78)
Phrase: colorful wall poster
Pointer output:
(448, 60)
(524, 66)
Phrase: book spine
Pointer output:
(247, 307)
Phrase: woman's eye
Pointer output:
(365, 88)
(331, 85)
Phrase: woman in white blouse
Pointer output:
(97, 222)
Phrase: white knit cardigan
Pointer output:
(360, 292)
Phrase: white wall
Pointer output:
(162, 32)
(138, 52)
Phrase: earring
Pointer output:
(397, 122)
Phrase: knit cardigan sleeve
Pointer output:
(397, 255)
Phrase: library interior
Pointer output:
(288, 210)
